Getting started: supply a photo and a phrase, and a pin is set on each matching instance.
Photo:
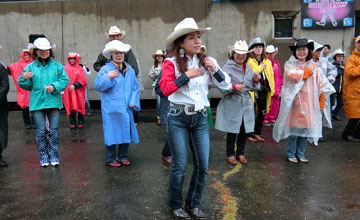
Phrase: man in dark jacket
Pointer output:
(4, 89)
(116, 34)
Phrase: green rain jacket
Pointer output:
(52, 73)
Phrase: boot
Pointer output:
(41, 142)
(54, 145)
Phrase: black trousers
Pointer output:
(350, 127)
(72, 118)
(240, 142)
(3, 127)
(261, 103)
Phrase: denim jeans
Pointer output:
(47, 141)
(296, 146)
(157, 106)
(181, 130)
(110, 153)
(336, 98)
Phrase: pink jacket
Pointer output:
(278, 78)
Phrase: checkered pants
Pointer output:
(48, 148)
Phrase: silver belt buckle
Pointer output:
(189, 110)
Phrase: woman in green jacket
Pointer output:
(45, 78)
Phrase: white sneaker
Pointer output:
(45, 164)
(54, 164)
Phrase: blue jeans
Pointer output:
(110, 153)
(157, 106)
(181, 130)
(47, 141)
(295, 146)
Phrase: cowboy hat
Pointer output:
(338, 52)
(186, 26)
(41, 43)
(257, 41)
(240, 47)
(113, 46)
(158, 53)
(114, 30)
(301, 43)
(271, 49)
(317, 46)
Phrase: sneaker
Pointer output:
(303, 160)
(167, 160)
(45, 164)
(293, 160)
(180, 214)
(125, 162)
(54, 164)
(113, 164)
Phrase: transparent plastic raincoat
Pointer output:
(300, 108)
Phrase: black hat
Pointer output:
(302, 42)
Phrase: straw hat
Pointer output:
(114, 30)
(271, 49)
(255, 42)
(302, 42)
(338, 52)
(186, 26)
(240, 47)
(114, 46)
(158, 53)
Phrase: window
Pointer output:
(283, 23)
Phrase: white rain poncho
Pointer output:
(300, 113)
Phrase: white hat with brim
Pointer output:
(240, 47)
(41, 43)
(114, 30)
(317, 46)
(186, 26)
(158, 53)
(338, 52)
(271, 49)
(114, 46)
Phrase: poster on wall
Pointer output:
(327, 14)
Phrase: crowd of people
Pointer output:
(308, 95)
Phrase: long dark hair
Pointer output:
(156, 63)
(253, 55)
(34, 55)
(181, 62)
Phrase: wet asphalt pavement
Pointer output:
(268, 187)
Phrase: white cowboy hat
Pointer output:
(114, 30)
(41, 43)
(186, 26)
(240, 47)
(158, 53)
(257, 41)
(337, 52)
(317, 46)
(113, 46)
(271, 49)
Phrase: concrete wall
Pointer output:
(80, 25)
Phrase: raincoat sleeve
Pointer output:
(135, 95)
(352, 69)
(103, 81)
(82, 79)
(332, 72)
(63, 80)
(221, 79)
(25, 83)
